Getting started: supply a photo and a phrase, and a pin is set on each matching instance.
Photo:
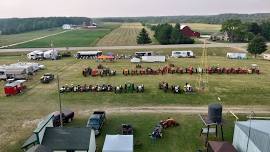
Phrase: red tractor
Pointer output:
(169, 123)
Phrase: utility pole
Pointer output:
(60, 102)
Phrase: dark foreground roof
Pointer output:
(221, 146)
(67, 138)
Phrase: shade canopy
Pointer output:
(118, 143)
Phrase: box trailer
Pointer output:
(233, 55)
(14, 88)
(153, 59)
(51, 54)
(35, 55)
(183, 54)
(88, 54)
(16, 73)
(141, 54)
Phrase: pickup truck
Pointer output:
(47, 78)
(96, 121)
(67, 116)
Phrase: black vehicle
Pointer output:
(67, 117)
(96, 121)
(47, 78)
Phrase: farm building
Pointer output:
(152, 59)
(233, 55)
(118, 143)
(182, 54)
(188, 32)
(252, 136)
(61, 139)
(88, 54)
(266, 56)
(220, 36)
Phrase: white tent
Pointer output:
(135, 60)
(232, 55)
(266, 56)
(153, 59)
(118, 143)
(252, 136)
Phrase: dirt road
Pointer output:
(178, 109)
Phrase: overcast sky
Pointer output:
(112, 8)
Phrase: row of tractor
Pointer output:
(175, 88)
(126, 88)
(99, 71)
(172, 69)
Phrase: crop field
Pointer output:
(126, 34)
(15, 38)
(20, 114)
(204, 28)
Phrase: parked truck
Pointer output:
(96, 121)
(67, 116)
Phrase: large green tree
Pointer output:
(235, 30)
(143, 37)
(257, 45)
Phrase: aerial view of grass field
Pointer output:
(134, 76)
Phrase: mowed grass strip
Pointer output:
(15, 38)
(126, 34)
(75, 38)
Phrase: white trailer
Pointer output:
(51, 54)
(16, 73)
(233, 55)
(266, 56)
(183, 54)
(141, 54)
(28, 68)
(135, 60)
(152, 59)
(88, 54)
(35, 55)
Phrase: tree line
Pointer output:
(20, 25)
(238, 31)
(210, 19)
(168, 34)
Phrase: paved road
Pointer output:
(178, 109)
(238, 45)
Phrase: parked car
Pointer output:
(47, 78)
(96, 121)
(67, 117)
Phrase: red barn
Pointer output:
(188, 32)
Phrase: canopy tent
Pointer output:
(252, 136)
(105, 57)
(220, 146)
(118, 143)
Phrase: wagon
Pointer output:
(14, 88)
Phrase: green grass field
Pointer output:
(74, 38)
(19, 113)
(204, 28)
(126, 34)
(15, 38)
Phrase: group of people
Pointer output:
(176, 88)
